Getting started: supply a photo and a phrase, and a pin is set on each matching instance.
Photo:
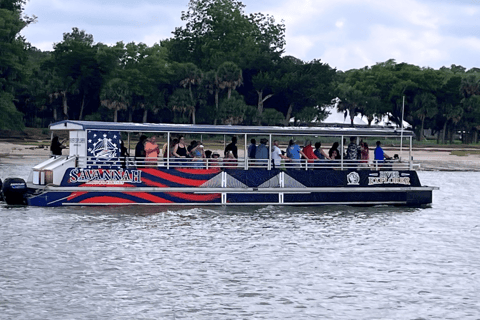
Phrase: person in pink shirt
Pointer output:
(151, 151)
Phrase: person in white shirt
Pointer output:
(277, 155)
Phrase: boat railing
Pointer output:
(242, 163)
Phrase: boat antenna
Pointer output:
(401, 132)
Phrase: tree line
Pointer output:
(222, 67)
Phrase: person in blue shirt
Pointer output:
(261, 153)
(379, 154)
(295, 153)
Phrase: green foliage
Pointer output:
(12, 60)
(217, 31)
(11, 118)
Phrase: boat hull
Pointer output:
(195, 187)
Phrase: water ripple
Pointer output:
(245, 262)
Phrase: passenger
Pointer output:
(379, 154)
(277, 155)
(232, 147)
(308, 151)
(208, 154)
(230, 161)
(352, 150)
(57, 146)
(215, 161)
(140, 150)
(151, 151)
(261, 153)
(252, 149)
(364, 152)
(295, 153)
(180, 151)
(321, 155)
(337, 153)
(198, 155)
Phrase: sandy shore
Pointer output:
(429, 159)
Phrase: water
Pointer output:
(244, 263)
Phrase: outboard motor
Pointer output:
(14, 191)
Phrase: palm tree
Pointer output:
(115, 95)
(426, 107)
(211, 84)
(191, 75)
(181, 103)
(229, 77)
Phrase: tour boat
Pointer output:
(95, 173)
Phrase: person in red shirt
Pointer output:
(308, 151)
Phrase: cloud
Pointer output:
(343, 33)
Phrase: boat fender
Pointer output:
(1, 194)
(14, 191)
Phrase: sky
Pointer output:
(346, 34)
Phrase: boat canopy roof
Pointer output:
(72, 125)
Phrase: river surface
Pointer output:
(330, 262)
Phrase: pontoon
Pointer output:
(94, 173)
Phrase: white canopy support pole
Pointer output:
(128, 141)
(168, 150)
(269, 148)
(410, 159)
(401, 132)
(341, 154)
(245, 153)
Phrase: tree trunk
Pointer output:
(80, 117)
(115, 115)
(229, 92)
(130, 115)
(289, 114)
(420, 136)
(193, 115)
(451, 130)
(259, 107)
(217, 92)
(444, 131)
(65, 105)
(145, 114)
(55, 115)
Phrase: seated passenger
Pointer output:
(230, 161)
(215, 160)
(379, 154)
(337, 153)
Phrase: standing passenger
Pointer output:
(140, 150)
(277, 155)
(252, 149)
(232, 147)
(352, 150)
(294, 153)
(180, 150)
(261, 153)
(151, 151)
